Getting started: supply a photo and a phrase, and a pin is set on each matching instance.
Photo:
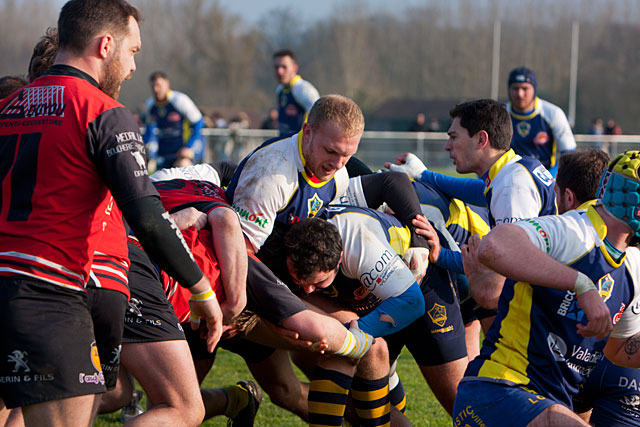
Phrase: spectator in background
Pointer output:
(612, 128)
(420, 124)
(10, 84)
(295, 96)
(540, 129)
(166, 135)
(239, 121)
(271, 122)
(434, 125)
(597, 127)
(218, 121)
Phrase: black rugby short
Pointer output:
(107, 312)
(149, 316)
(47, 346)
(438, 336)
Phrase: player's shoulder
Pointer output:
(549, 110)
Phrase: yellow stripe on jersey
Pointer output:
(399, 239)
(304, 162)
(509, 360)
(601, 229)
(499, 164)
(536, 109)
(461, 215)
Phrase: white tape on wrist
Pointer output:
(583, 284)
(356, 344)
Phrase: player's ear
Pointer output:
(570, 198)
(106, 46)
(483, 139)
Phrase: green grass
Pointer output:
(422, 407)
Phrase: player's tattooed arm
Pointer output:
(632, 345)
(624, 351)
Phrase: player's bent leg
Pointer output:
(120, 396)
(472, 338)
(167, 375)
(75, 411)
(443, 380)
(557, 415)
(276, 377)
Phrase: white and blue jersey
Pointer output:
(543, 134)
(171, 125)
(518, 187)
(294, 103)
(373, 246)
(271, 187)
(533, 340)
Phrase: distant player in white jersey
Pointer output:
(540, 129)
(173, 125)
(295, 96)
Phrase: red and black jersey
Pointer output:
(65, 148)
(110, 265)
(201, 244)
(176, 192)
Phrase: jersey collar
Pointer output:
(586, 205)
(68, 70)
(294, 80)
(166, 99)
(311, 180)
(536, 105)
(496, 167)
(601, 229)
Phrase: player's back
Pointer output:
(51, 186)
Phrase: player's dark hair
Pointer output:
(487, 115)
(10, 84)
(44, 54)
(580, 171)
(80, 21)
(312, 245)
(158, 75)
(284, 52)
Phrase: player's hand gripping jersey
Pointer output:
(373, 244)
(533, 340)
(543, 134)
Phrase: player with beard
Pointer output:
(52, 223)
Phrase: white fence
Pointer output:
(379, 147)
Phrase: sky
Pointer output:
(251, 10)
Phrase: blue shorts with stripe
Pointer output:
(483, 403)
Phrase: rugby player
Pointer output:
(294, 95)
(93, 54)
(608, 389)
(551, 315)
(169, 114)
(351, 255)
(540, 129)
(196, 186)
(512, 187)
(292, 178)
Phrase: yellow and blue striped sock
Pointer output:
(371, 400)
(328, 394)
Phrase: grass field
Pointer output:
(422, 407)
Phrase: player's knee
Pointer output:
(377, 355)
